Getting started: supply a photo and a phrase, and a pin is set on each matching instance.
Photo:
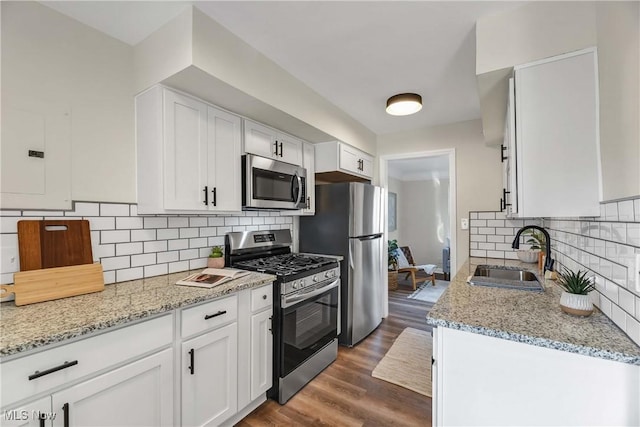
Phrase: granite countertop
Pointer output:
(528, 317)
(30, 326)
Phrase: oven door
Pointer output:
(309, 321)
(270, 184)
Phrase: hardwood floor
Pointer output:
(345, 394)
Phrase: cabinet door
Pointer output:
(308, 162)
(137, 394)
(185, 153)
(261, 353)
(511, 163)
(34, 414)
(289, 149)
(366, 166)
(349, 159)
(209, 377)
(259, 139)
(224, 139)
(557, 136)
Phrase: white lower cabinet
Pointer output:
(137, 394)
(209, 371)
(261, 353)
(33, 414)
(485, 381)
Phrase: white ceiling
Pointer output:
(355, 54)
(419, 169)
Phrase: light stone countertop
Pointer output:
(528, 317)
(30, 326)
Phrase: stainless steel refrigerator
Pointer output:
(348, 222)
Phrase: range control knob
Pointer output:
(327, 275)
(315, 278)
(295, 285)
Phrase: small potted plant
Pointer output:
(216, 258)
(575, 295)
(537, 245)
(392, 264)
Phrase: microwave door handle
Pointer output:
(299, 188)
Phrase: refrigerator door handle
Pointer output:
(371, 237)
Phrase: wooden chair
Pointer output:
(411, 270)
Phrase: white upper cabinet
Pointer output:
(557, 137)
(188, 155)
(308, 162)
(35, 157)
(267, 142)
(336, 156)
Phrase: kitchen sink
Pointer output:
(505, 277)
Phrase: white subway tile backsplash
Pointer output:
(486, 230)
(115, 263)
(143, 235)
(163, 257)
(188, 233)
(625, 210)
(128, 248)
(84, 209)
(633, 234)
(129, 274)
(178, 244)
(611, 211)
(636, 209)
(114, 209)
(155, 246)
(486, 215)
(478, 223)
(178, 222)
(473, 215)
(167, 233)
(142, 260)
(155, 222)
(131, 247)
(478, 253)
(115, 236)
(156, 270)
(178, 266)
(487, 246)
(495, 254)
(495, 223)
(127, 222)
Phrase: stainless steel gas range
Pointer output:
(306, 305)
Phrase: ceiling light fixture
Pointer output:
(404, 104)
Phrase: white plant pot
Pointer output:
(579, 305)
(528, 255)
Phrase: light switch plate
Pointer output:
(464, 223)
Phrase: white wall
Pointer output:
(48, 58)
(424, 219)
(478, 169)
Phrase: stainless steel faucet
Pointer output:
(548, 263)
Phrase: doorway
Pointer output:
(420, 205)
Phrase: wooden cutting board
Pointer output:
(55, 283)
(53, 243)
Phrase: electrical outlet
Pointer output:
(636, 273)
(464, 223)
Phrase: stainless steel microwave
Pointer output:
(271, 184)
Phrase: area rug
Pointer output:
(408, 362)
(429, 293)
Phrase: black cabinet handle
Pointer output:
(264, 297)
(65, 409)
(504, 196)
(502, 150)
(275, 144)
(192, 361)
(309, 202)
(206, 195)
(281, 149)
(215, 198)
(270, 323)
(42, 417)
(65, 365)
(501, 204)
(211, 316)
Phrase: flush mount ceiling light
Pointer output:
(404, 104)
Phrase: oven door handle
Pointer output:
(288, 301)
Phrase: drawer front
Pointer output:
(262, 298)
(209, 315)
(81, 358)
